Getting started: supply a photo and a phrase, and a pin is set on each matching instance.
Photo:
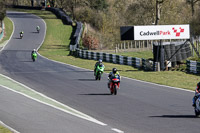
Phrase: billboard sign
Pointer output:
(159, 32)
(127, 33)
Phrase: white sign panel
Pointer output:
(159, 32)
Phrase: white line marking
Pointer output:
(13, 130)
(77, 113)
(117, 130)
(73, 111)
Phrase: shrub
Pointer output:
(90, 42)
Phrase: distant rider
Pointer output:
(197, 93)
(34, 51)
(21, 32)
(38, 28)
(112, 75)
(99, 63)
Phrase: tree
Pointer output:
(52, 2)
(192, 3)
(2, 10)
(60, 3)
(158, 10)
(140, 12)
(98, 4)
(90, 42)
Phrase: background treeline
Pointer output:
(2, 12)
(103, 18)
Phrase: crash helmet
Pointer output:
(100, 61)
(34, 50)
(114, 70)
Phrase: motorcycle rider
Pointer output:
(38, 28)
(197, 93)
(34, 51)
(112, 75)
(98, 64)
(21, 33)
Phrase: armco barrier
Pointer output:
(112, 58)
(60, 14)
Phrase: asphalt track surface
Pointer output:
(139, 107)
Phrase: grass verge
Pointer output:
(4, 130)
(56, 44)
(8, 31)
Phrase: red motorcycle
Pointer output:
(114, 85)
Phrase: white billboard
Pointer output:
(159, 32)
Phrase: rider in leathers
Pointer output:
(197, 93)
(112, 75)
(97, 64)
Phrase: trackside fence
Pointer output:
(112, 58)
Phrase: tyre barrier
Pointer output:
(193, 67)
(112, 58)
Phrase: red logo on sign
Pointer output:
(178, 33)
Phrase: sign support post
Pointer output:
(156, 32)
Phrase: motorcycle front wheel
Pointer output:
(99, 76)
(197, 114)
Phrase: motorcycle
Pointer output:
(34, 56)
(99, 72)
(114, 85)
(38, 29)
(21, 35)
(197, 107)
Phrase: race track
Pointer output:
(139, 107)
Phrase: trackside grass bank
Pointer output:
(4, 130)
(56, 47)
(8, 31)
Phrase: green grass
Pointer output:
(8, 30)
(4, 130)
(56, 44)
(143, 54)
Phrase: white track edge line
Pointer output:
(117, 130)
(74, 114)
(13, 130)
(91, 119)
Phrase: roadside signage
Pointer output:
(159, 32)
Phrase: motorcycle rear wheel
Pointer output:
(115, 90)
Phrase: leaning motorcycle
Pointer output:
(197, 107)
(34, 56)
(99, 72)
(114, 85)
